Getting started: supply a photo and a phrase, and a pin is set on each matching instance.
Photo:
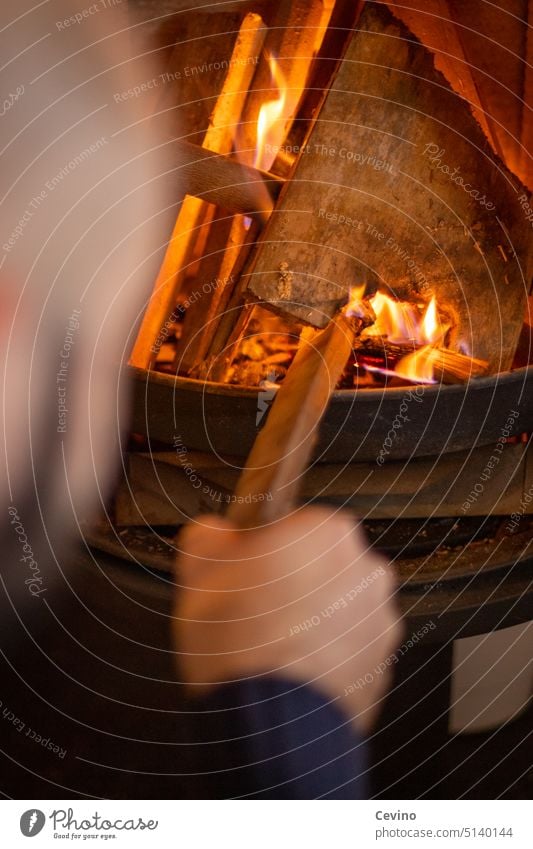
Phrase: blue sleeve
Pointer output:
(271, 739)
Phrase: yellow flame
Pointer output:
(432, 329)
(418, 366)
(355, 301)
(271, 121)
(401, 323)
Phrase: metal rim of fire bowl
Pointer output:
(401, 423)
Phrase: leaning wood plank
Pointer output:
(432, 22)
(398, 181)
(196, 358)
(218, 138)
(208, 75)
(296, 37)
(268, 486)
(294, 30)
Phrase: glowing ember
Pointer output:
(271, 123)
(404, 323)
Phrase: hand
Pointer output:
(303, 599)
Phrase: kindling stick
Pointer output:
(267, 487)
(225, 182)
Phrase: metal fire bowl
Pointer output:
(357, 426)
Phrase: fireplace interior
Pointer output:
(334, 156)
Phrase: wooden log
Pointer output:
(344, 15)
(208, 282)
(219, 307)
(295, 31)
(399, 181)
(208, 74)
(211, 326)
(452, 367)
(227, 337)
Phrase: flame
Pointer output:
(404, 323)
(272, 119)
(401, 321)
(418, 366)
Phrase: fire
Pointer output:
(271, 123)
(405, 323)
(401, 322)
(418, 366)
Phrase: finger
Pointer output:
(206, 538)
(204, 531)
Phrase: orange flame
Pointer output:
(401, 323)
(418, 366)
(272, 120)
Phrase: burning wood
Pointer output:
(306, 259)
(414, 335)
(397, 340)
(367, 194)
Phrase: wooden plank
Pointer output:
(375, 193)
(227, 337)
(218, 137)
(213, 60)
(209, 313)
(432, 22)
(294, 30)
(294, 27)
(223, 181)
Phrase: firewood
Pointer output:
(452, 367)
(215, 282)
(295, 28)
(397, 177)
(449, 366)
(218, 138)
(226, 338)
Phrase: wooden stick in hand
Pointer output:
(267, 487)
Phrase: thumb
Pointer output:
(204, 538)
